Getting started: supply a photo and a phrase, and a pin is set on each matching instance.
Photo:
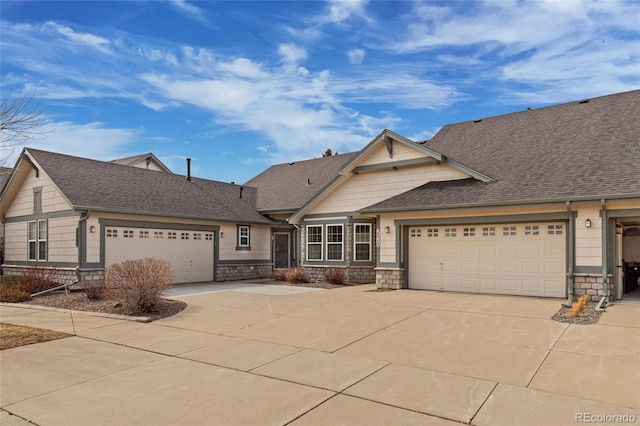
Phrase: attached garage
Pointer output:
(519, 258)
(190, 252)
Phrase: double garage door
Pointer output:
(521, 259)
(190, 252)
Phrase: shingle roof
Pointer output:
(5, 173)
(569, 151)
(287, 187)
(97, 185)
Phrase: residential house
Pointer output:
(542, 202)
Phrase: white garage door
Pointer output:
(523, 259)
(190, 252)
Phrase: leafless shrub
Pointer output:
(36, 279)
(140, 283)
(94, 291)
(334, 276)
(279, 275)
(297, 275)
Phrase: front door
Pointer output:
(281, 250)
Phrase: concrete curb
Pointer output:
(85, 313)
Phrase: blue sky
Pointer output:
(241, 85)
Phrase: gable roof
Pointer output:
(578, 150)
(147, 158)
(5, 173)
(102, 186)
(287, 187)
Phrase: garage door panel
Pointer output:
(527, 259)
(191, 253)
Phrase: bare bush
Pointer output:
(94, 291)
(297, 275)
(140, 283)
(279, 275)
(334, 276)
(37, 279)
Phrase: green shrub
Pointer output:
(334, 276)
(297, 275)
(139, 283)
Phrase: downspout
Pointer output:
(605, 281)
(571, 236)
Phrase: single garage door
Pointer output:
(190, 252)
(521, 259)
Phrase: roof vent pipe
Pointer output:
(189, 169)
(241, 189)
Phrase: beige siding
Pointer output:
(93, 241)
(364, 189)
(388, 241)
(52, 200)
(15, 249)
(62, 240)
(400, 152)
(142, 164)
(260, 243)
(589, 240)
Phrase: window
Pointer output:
(416, 233)
(171, 235)
(531, 230)
(127, 233)
(432, 232)
(450, 232)
(158, 235)
(314, 242)
(184, 235)
(112, 233)
(362, 243)
(37, 200)
(554, 229)
(197, 236)
(208, 236)
(508, 231)
(469, 232)
(489, 231)
(144, 234)
(334, 242)
(244, 237)
(37, 239)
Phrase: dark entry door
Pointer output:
(281, 249)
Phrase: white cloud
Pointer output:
(86, 39)
(341, 10)
(189, 9)
(90, 140)
(356, 56)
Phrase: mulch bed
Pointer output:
(108, 305)
(589, 315)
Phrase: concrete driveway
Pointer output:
(342, 356)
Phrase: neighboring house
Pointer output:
(5, 172)
(542, 202)
(144, 161)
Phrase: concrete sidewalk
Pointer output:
(341, 356)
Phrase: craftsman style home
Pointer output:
(542, 202)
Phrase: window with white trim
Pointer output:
(416, 233)
(208, 236)
(171, 235)
(362, 242)
(243, 237)
(335, 242)
(197, 236)
(184, 235)
(314, 242)
(112, 233)
(530, 230)
(143, 234)
(469, 232)
(158, 235)
(432, 232)
(127, 233)
(450, 232)
(37, 240)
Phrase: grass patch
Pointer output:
(12, 336)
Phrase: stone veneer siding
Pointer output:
(390, 278)
(592, 285)
(352, 274)
(59, 275)
(243, 272)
